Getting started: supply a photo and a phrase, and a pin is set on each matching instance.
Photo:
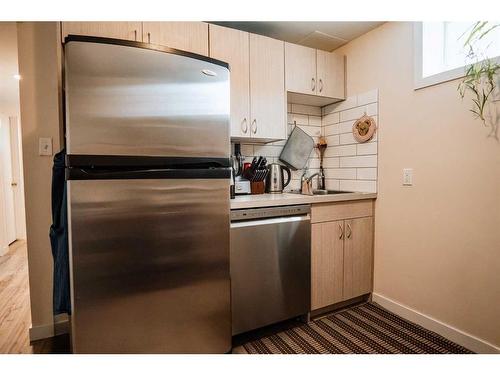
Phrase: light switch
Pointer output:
(407, 176)
(45, 146)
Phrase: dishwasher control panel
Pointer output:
(268, 212)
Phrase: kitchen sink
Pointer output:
(328, 192)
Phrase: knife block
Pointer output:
(257, 187)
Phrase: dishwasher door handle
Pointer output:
(275, 220)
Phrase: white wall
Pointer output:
(437, 243)
(40, 92)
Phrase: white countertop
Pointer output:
(286, 199)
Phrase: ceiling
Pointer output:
(9, 86)
(321, 35)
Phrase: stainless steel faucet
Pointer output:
(306, 183)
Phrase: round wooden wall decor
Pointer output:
(364, 129)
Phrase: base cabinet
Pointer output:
(341, 253)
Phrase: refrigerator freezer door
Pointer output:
(150, 265)
(124, 100)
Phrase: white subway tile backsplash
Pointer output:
(358, 161)
(348, 165)
(352, 114)
(332, 140)
(366, 173)
(347, 138)
(350, 102)
(332, 184)
(332, 129)
(332, 118)
(266, 150)
(358, 185)
(315, 121)
(346, 126)
(372, 109)
(341, 173)
(313, 131)
(330, 162)
(298, 119)
(367, 148)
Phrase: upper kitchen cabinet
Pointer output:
(314, 77)
(186, 36)
(267, 88)
(232, 46)
(300, 73)
(330, 73)
(117, 30)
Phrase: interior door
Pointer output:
(6, 180)
(231, 46)
(300, 69)
(358, 257)
(150, 265)
(331, 76)
(17, 179)
(267, 88)
(186, 36)
(327, 261)
(108, 29)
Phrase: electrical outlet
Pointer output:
(407, 176)
(45, 146)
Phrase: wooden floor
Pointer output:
(15, 314)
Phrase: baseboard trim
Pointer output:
(451, 333)
(59, 327)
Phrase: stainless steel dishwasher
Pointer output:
(270, 263)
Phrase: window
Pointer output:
(440, 54)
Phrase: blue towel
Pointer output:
(59, 237)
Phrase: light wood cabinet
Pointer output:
(327, 262)
(186, 36)
(117, 30)
(313, 77)
(232, 46)
(300, 72)
(267, 88)
(330, 73)
(358, 257)
(341, 252)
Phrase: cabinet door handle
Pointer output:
(244, 126)
(341, 232)
(149, 37)
(313, 84)
(135, 35)
(349, 231)
(254, 128)
(320, 85)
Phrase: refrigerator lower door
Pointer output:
(150, 265)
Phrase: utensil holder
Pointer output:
(257, 187)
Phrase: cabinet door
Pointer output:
(300, 69)
(117, 30)
(231, 46)
(327, 258)
(186, 36)
(267, 88)
(358, 257)
(330, 72)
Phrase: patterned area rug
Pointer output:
(367, 328)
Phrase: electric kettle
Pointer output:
(275, 181)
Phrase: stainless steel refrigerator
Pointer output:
(147, 139)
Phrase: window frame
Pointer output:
(435, 79)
